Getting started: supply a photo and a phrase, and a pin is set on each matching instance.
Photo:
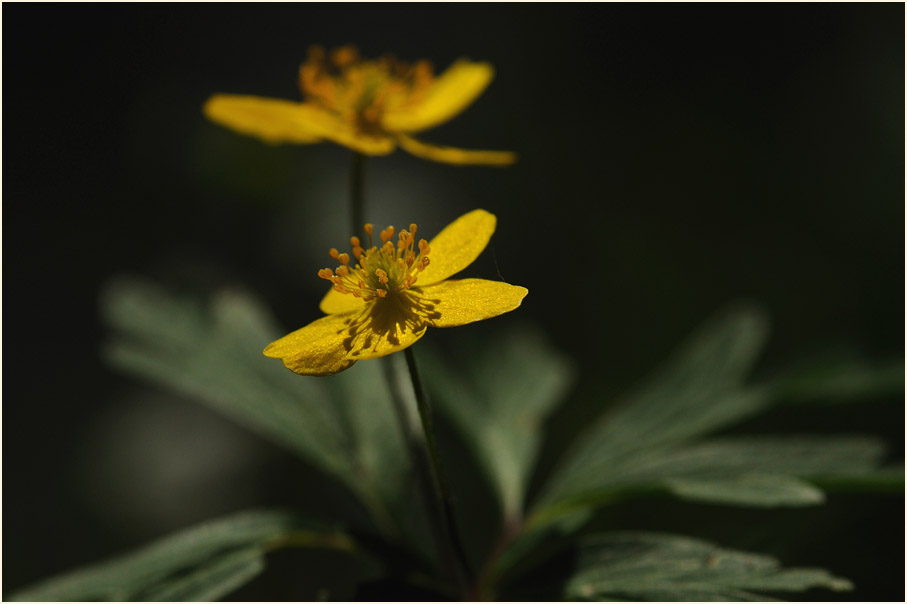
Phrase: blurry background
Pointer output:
(673, 158)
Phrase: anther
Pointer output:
(344, 258)
(326, 273)
(381, 292)
(354, 241)
(334, 253)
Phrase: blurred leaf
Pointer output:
(200, 563)
(763, 490)
(651, 566)
(343, 424)
(498, 396)
(212, 580)
(697, 391)
(840, 378)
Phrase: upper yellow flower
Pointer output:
(368, 106)
(386, 302)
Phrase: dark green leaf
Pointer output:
(652, 566)
(498, 396)
(762, 490)
(343, 424)
(202, 562)
(700, 389)
(840, 378)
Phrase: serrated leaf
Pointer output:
(700, 389)
(498, 396)
(213, 351)
(651, 566)
(206, 560)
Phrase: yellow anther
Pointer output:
(382, 276)
(412, 230)
(387, 234)
(344, 258)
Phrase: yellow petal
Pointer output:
(332, 127)
(335, 302)
(271, 120)
(454, 248)
(452, 92)
(452, 155)
(316, 349)
(462, 301)
(388, 325)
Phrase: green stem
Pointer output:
(357, 195)
(441, 491)
(433, 488)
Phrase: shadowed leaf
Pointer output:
(213, 351)
(204, 562)
(498, 396)
(649, 566)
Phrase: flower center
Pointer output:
(382, 271)
(361, 91)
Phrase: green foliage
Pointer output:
(646, 566)
(498, 397)
(658, 438)
(202, 563)
(840, 378)
(650, 440)
(344, 425)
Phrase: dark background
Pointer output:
(673, 158)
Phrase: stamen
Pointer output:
(334, 253)
(344, 258)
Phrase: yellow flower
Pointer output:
(368, 106)
(385, 303)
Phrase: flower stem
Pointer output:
(441, 490)
(423, 452)
(357, 196)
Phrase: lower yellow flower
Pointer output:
(386, 301)
(369, 106)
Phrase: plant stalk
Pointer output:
(442, 493)
(423, 452)
(357, 194)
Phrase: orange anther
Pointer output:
(334, 253)
(344, 258)
(381, 293)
